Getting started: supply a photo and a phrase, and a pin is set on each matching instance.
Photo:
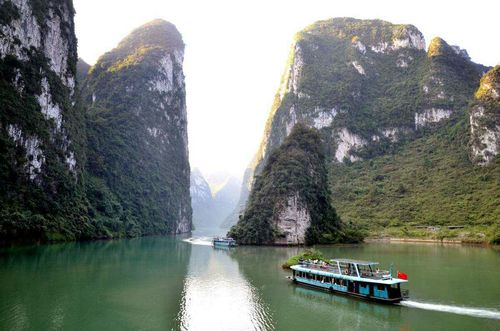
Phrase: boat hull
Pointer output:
(224, 244)
(339, 291)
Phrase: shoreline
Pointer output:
(425, 241)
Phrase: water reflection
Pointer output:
(346, 307)
(217, 297)
(123, 284)
(166, 283)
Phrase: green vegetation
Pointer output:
(308, 254)
(489, 81)
(51, 206)
(118, 187)
(418, 175)
(297, 167)
(8, 12)
(429, 181)
(137, 158)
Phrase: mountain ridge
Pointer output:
(72, 140)
(290, 202)
(370, 87)
(135, 94)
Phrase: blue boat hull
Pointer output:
(338, 289)
(224, 244)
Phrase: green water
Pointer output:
(164, 283)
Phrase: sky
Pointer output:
(236, 52)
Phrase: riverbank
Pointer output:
(420, 240)
(463, 234)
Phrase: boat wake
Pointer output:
(202, 241)
(470, 311)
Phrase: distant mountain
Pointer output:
(82, 69)
(375, 93)
(202, 201)
(212, 205)
(227, 194)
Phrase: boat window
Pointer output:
(381, 287)
(344, 268)
(365, 270)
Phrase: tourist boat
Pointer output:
(357, 278)
(224, 242)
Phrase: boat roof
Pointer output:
(359, 262)
(389, 281)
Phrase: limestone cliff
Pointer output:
(290, 201)
(41, 140)
(485, 119)
(137, 128)
(113, 165)
(368, 86)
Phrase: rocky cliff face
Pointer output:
(138, 129)
(485, 119)
(114, 165)
(290, 201)
(39, 38)
(41, 140)
(368, 86)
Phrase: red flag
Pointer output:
(402, 275)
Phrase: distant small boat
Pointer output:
(224, 242)
(357, 278)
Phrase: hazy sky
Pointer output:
(236, 52)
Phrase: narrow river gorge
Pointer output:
(184, 283)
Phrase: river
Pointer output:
(172, 283)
